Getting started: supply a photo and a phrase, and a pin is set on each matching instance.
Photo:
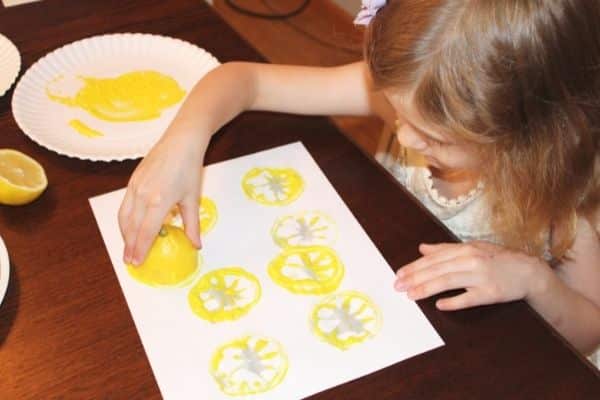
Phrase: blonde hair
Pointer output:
(521, 78)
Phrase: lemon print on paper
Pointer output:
(273, 186)
(225, 294)
(207, 215)
(249, 365)
(346, 319)
(22, 179)
(307, 270)
(133, 96)
(304, 229)
(172, 261)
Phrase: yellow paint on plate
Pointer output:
(133, 96)
(346, 319)
(225, 294)
(249, 365)
(273, 186)
(307, 270)
(83, 129)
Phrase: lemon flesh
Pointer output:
(171, 262)
(22, 179)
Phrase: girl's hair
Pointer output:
(522, 79)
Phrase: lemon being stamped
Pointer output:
(207, 215)
(307, 270)
(172, 261)
(249, 365)
(225, 294)
(307, 228)
(22, 179)
(273, 186)
(346, 319)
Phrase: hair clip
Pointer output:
(368, 10)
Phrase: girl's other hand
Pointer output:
(169, 175)
(488, 273)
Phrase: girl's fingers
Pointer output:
(148, 229)
(427, 249)
(443, 283)
(428, 260)
(130, 228)
(456, 264)
(470, 298)
(191, 219)
(125, 211)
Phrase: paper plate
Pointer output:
(108, 56)
(10, 64)
(4, 270)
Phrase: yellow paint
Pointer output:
(249, 365)
(309, 228)
(172, 261)
(346, 319)
(273, 186)
(83, 129)
(207, 214)
(133, 96)
(307, 270)
(225, 294)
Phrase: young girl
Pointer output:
(497, 105)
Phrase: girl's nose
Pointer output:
(411, 139)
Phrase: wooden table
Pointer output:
(65, 329)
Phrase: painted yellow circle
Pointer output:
(172, 261)
(225, 294)
(309, 228)
(273, 186)
(207, 214)
(249, 365)
(346, 319)
(307, 270)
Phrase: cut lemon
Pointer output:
(249, 365)
(225, 294)
(308, 228)
(273, 186)
(22, 179)
(172, 261)
(346, 319)
(307, 270)
(208, 215)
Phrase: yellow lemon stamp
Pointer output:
(346, 319)
(273, 186)
(172, 261)
(307, 270)
(225, 294)
(308, 228)
(249, 365)
(207, 215)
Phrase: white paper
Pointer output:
(180, 345)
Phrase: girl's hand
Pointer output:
(170, 174)
(489, 274)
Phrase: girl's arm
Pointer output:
(171, 173)
(570, 299)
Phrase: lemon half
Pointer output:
(172, 261)
(22, 179)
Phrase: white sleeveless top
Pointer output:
(467, 216)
